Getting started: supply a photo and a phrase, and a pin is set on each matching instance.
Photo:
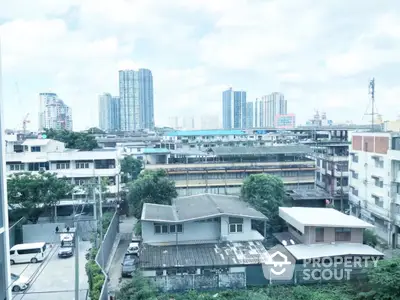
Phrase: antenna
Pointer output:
(371, 91)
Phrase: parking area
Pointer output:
(55, 277)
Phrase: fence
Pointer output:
(105, 250)
(178, 283)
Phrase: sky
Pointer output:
(320, 54)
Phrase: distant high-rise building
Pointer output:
(136, 100)
(250, 115)
(233, 109)
(208, 122)
(54, 113)
(275, 105)
(109, 113)
(260, 113)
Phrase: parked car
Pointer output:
(19, 283)
(128, 265)
(133, 249)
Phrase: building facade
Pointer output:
(375, 181)
(109, 113)
(54, 113)
(233, 109)
(249, 115)
(136, 100)
(275, 105)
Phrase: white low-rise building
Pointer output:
(374, 181)
(35, 155)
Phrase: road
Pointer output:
(125, 229)
(54, 278)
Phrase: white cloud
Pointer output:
(319, 55)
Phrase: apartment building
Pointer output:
(221, 170)
(54, 113)
(34, 155)
(374, 181)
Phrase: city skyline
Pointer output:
(306, 62)
(54, 113)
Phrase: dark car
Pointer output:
(128, 265)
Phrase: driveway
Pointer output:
(55, 278)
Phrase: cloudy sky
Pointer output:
(321, 54)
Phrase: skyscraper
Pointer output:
(54, 113)
(275, 105)
(109, 113)
(233, 109)
(136, 99)
(249, 115)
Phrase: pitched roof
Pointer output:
(199, 207)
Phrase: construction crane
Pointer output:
(25, 121)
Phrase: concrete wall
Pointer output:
(34, 233)
(200, 282)
(206, 231)
(242, 236)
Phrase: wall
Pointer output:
(191, 231)
(329, 235)
(244, 236)
(35, 233)
(200, 282)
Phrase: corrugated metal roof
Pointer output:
(205, 132)
(156, 151)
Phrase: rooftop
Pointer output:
(287, 149)
(199, 207)
(156, 151)
(36, 142)
(306, 194)
(301, 217)
(205, 132)
(222, 254)
(302, 251)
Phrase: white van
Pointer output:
(25, 253)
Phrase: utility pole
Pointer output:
(341, 188)
(76, 238)
(95, 207)
(372, 91)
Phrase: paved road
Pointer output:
(126, 230)
(54, 276)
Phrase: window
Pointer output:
(12, 252)
(354, 158)
(342, 234)
(17, 167)
(29, 251)
(35, 149)
(165, 228)
(319, 234)
(379, 163)
(378, 201)
(235, 225)
(159, 272)
(378, 182)
(354, 174)
(62, 166)
(82, 165)
(354, 191)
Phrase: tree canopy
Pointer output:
(150, 187)
(73, 140)
(33, 192)
(95, 130)
(130, 168)
(265, 193)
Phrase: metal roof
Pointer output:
(36, 142)
(287, 149)
(198, 255)
(303, 251)
(205, 132)
(301, 217)
(156, 151)
(197, 207)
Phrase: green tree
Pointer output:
(33, 193)
(370, 238)
(265, 193)
(73, 140)
(151, 187)
(130, 168)
(383, 281)
(139, 288)
(95, 130)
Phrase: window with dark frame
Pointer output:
(342, 234)
(235, 225)
(319, 234)
(166, 229)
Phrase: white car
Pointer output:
(19, 283)
(133, 249)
